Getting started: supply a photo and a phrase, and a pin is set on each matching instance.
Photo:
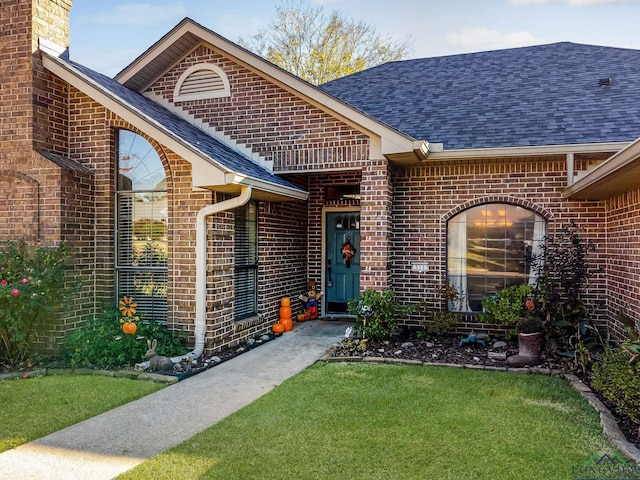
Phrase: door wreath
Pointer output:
(348, 252)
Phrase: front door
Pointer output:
(342, 269)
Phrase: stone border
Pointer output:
(131, 374)
(610, 428)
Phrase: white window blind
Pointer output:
(246, 261)
(141, 226)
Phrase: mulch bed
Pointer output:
(446, 349)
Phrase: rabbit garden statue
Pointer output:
(157, 363)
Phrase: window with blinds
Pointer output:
(141, 226)
(246, 262)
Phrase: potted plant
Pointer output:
(530, 338)
(514, 306)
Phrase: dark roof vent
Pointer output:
(605, 82)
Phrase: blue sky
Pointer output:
(107, 36)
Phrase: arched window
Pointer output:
(141, 226)
(488, 248)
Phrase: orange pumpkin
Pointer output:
(285, 302)
(288, 324)
(129, 328)
(277, 328)
(285, 312)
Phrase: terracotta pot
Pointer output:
(529, 349)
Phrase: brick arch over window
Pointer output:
(518, 202)
(19, 207)
(122, 125)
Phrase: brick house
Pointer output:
(209, 183)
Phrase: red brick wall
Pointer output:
(427, 197)
(270, 120)
(623, 258)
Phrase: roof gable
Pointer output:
(541, 95)
(188, 35)
(215, 165)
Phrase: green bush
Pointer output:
(619, 380)
(102, 344)
(32, 289)
(377, 313)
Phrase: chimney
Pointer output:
(33, 103)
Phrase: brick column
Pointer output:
(376, 223)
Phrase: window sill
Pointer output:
(249, 322)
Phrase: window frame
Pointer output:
(532, 229)
(150, 305)
(246, 220)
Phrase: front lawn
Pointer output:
(34, 407)
(395, 422)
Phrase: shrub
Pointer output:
(32, 289)
(442, 321)
(377, 313)
(619, 380)
(102, 344)
(507, 307)
(563, 272)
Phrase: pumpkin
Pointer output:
(287, 323)
(129, 328)
(285, 312)
(277, 328)
(285, 302)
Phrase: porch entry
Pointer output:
(342, 268)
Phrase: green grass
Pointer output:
(32, 408)
(394, 422)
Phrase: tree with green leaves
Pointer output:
(320, 47)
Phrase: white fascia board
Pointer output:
(619, 161)
(239, 179)
(526, 151)
(393, 140)
(205, 170)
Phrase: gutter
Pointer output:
(200, 329)
(201, 267)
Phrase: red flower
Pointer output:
(25, 281)
(529, 304)
(15, 292)
(3, 283)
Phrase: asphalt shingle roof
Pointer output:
(190, 134)
(541, 95)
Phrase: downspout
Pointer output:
(201, 266)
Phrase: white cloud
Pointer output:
(481, 38)
(142, 14)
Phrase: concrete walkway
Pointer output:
(118, 440)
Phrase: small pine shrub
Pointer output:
(619, 381)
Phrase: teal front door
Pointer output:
(342, 269)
